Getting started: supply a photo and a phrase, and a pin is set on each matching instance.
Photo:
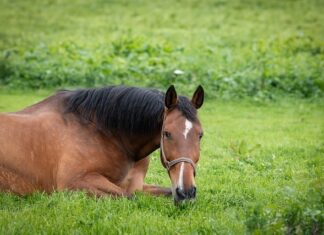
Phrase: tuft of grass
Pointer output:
(261, 172)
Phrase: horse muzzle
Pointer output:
(182, 194)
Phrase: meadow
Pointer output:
(261, 171)
(235, 48)
(261, 64)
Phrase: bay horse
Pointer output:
(98, 140)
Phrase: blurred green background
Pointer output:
(233, 48)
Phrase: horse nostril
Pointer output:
(180, 194)
(193, 192)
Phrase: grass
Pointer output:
(234, 48)
(261, 171)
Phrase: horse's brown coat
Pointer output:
(44, 149)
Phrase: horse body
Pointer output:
(25, 154)
(47, 147)
(40, 156)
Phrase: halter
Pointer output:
(168, 164)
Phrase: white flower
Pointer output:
(178, 72)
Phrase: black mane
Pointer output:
(118, 108)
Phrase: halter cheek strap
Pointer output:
(168, 164)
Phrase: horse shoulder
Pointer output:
(86, 152)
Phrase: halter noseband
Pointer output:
(168, 164)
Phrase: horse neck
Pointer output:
(140, 146)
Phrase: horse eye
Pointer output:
(167, 134)
(201, 135)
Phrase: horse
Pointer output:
(98, 140)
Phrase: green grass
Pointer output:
(261, 171)
(234, 48)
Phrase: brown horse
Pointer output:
(99, 140)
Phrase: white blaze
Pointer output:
(180, 180)
(188, 126)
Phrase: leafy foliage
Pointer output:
(233, 48)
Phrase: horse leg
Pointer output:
(96, 185)
(135, 180)
(157, 190)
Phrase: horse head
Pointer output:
(180, 141)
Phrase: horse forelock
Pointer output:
(187, 108)
(128, 109)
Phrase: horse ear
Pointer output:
(171, 98)
(198, 97)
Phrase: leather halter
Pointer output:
(168, 164)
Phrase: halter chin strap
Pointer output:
(168, 164)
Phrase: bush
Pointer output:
(233, 48)
(275, 66)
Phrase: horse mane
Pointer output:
(131, 110)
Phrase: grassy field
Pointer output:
(235, 48)
(261, 171)
(262, 161)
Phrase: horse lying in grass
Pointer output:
(99, 140)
